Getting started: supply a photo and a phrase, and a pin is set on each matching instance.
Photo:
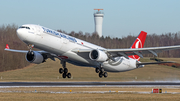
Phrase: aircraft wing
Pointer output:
(49, 55)
(22, 51)
(19, 51)
(134, 51)
(140, 51)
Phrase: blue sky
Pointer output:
(121, 17)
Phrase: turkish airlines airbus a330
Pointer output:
(78, 52)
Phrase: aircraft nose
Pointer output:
(18, 31)
(20, 34)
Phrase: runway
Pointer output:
(79, 84)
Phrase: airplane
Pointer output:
(53, 44)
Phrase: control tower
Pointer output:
(98, 19)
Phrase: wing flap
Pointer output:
(154, 53)
(123, 54)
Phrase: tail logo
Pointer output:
(138, 44)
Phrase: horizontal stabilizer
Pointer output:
(148, 63)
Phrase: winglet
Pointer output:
(7, 46)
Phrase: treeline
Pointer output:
(10, 60)
(152, 40)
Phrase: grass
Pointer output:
(77, 94)
(88, 97)
(49, 72)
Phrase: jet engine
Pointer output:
(98, 55)
(34, 57)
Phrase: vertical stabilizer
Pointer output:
(138, 43)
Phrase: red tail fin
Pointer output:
(138, 43)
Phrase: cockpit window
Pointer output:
(24, 27)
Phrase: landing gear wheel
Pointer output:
(64, 75)
(61, 70)
(65, 70)
(102, 70)
(100, 74)
(105, 74)
(97, 70)
(69, 75)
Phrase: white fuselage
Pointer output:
(62, 45)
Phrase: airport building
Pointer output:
(98, 19)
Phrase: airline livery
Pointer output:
(66, 48)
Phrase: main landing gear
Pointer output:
(101, 72)
(64, 71)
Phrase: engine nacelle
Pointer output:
(34, 57)
(98, 55)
